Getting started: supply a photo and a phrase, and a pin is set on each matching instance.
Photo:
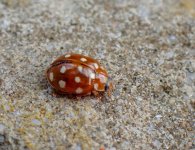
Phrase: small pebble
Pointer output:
(2, 139)
(36, 122)
(2, 128)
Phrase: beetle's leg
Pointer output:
(78, 97)
(55, 94)
(95, 93)
(98, 95)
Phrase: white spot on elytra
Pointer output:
(68, 55)
(92, 75)
(95, 86)
(79, 90)
(77, 79)
(83, 59)
(96, 66)
(62, 83)
(51, 76)
(63, 69)
(80, 68)
(89, 81)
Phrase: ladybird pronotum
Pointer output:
(77, 74)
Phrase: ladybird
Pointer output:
(78, 75)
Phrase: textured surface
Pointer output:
(147, 47)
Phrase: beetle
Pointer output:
(78, 75)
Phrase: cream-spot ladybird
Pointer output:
(78, 75)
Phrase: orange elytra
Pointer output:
(79, 75)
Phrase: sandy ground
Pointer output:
(148, 49)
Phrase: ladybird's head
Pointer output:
(102, 83)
